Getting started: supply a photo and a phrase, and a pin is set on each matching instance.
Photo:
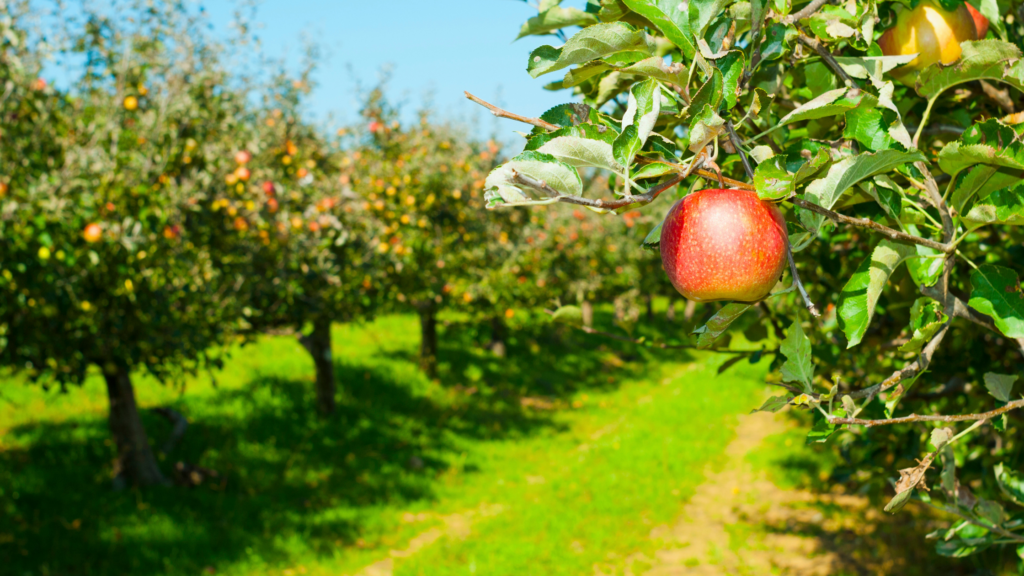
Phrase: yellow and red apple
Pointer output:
(933, 33)
(724, 245)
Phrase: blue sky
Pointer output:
(435, 49)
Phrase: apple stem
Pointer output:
(796, 280)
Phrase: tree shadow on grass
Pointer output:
(289, 482)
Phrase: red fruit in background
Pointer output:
(313, 227)
(171, 232)
(272, 204)
(92, 233)
(39, 84)
(242, 157)
(242, 173)
(241, 225)
(375, 126)
(302, 173)
(980, 22)
(110, 206)
(724, 245)
(3, 189)
(268, 188)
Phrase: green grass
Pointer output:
(559, 458)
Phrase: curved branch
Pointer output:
(506, 114)
(931, 418)
(827, 57)
(806, 12)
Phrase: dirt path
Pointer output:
(740, 523)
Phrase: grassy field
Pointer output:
(559, 459)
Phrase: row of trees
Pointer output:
(890, 134)
(162, 207)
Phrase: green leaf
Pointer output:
(860, 295)
(570, 315)
(844, 174)
(991, 511)
(797, 350)
(701, 12)
(642, 110)
(940, 437)
(867, 124)
(771, 179)
(899, 501)
(1010, 483)
(656, 68)
(993, 60)
(708, 95)
(627, 145)
(672, 18)
(871, 66)
(653, 239)
(1004, 206)
(828, 104)
(822, 428)
(773, 404)
(653, 170)
(591, 43)
(583, 153)
(777, 39)
(962, 548)
(565, 115)
(718, 324)
(706, 125)
(924, 271)
(555, 18)
(585, 131)
(1000, 385)
(731, 65)
(997, 293)
(499, 186)
(926, 318)
(894, 397)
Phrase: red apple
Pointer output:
(931, 32)
(980, 22)
(242, 157)
(3, 189)
(724, 245)
(242, 173)
(375, 126)
(92, 233)
(268, 188)
(272, 205)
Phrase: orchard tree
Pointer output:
(874, 150)
(109, 253)
(307, 241)
(420, 182)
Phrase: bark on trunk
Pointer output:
(497, 344)
(650, 306)
(135, 457)
(428, 338)
(670, 312)
(587, 310)
(318, 344)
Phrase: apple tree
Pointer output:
(109, 252)
(895, 160)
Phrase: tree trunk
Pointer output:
(135, 457)
(318, 344)
(670, 312)
(649, 298)
(587, 310)
(428, 338)
(497, 344)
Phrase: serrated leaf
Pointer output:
(773, 404)
(731, 65)
(583, 153)
(1004, 206)
(718, 324)
(959, 548)
(772, 181)
(1000, 385)
(627, 145)
(898, 501)
(991, 511)
(543, 167)
(996, 292)
(585, 131)
(642, 110)
(860, 295)
(653, 239)
(797, 350)
(656, 68)
(591, 43)
(565, 115)
(777, 39)
(844, 174)
(871, 66)
(1010, 483)
(705, 127)
(672, 18)
(555, 18)
(926, 318)
(979, 60)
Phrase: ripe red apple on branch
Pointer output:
(933, 33)
(724, 245)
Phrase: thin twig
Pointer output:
(736, 144)
(700, 172)
(830, 61)
(870, 224)
(806, 12)
(908, 372)
(555, 196)
(930, 418)
(796, 281)
(506, 114)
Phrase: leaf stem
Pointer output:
(924, 118)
